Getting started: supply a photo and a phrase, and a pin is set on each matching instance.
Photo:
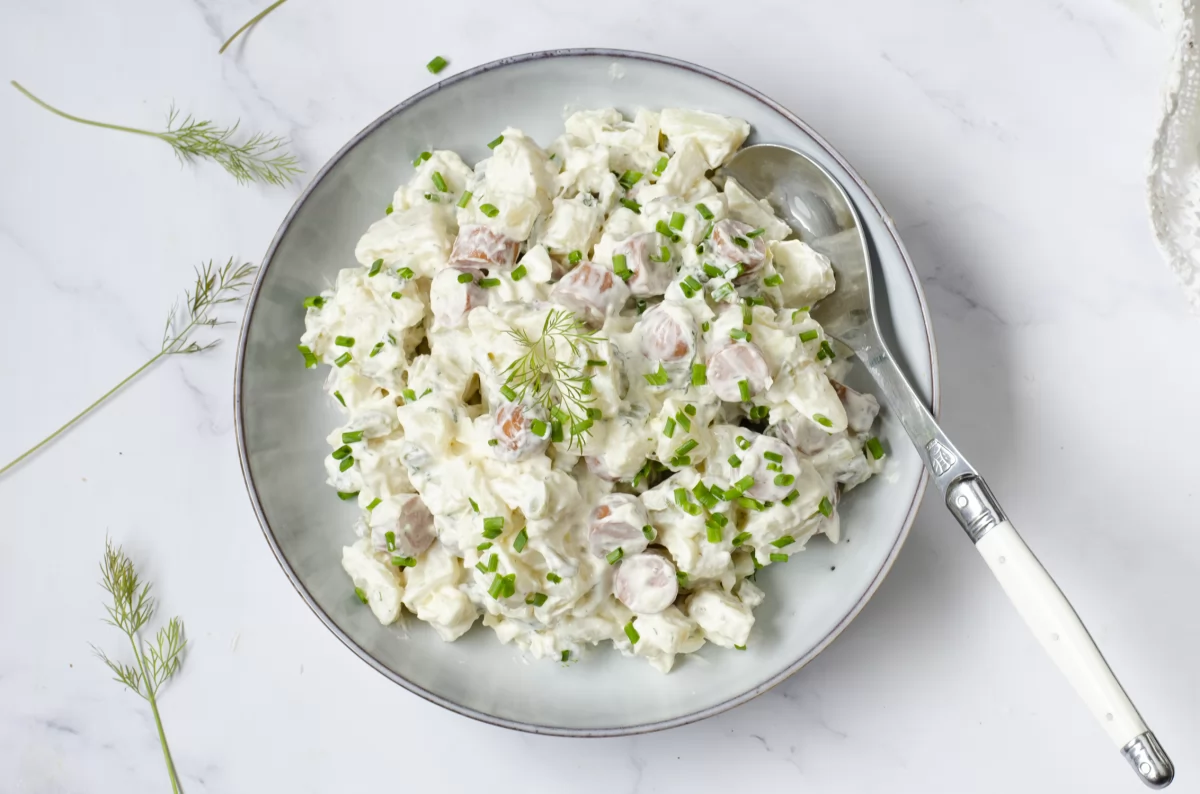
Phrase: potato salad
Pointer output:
(583, 398)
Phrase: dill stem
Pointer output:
(250, 24)
(167, 348)
(70, 117)
(150, 698)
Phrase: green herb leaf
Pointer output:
(436, 65)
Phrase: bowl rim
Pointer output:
(446, 703)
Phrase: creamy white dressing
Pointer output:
(714, 416)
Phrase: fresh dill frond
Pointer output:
(259, 158)
(213, 287)
(155, 662)
(543, 378)
(253, 21)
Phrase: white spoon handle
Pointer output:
(1060, 631)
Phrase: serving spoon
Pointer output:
(812, 202)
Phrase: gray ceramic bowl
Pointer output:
(283, 415)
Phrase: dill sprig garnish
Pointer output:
(259, 158)
(560, 387)
(253, 21)
(213, 287)
(131, 609)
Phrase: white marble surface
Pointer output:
(1008, 141)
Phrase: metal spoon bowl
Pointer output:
(808, 199)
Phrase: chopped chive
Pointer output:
(465, 278)
(683, 421)
(632, 633)
(713, 533)
(752, 504)
(389, 209)
(660, 166)
(437, 64)
(508, 393)
(704, 327)
(689, 409)
(537, 599)
(520, 540)
(493, 526)
(875, 448)
(738, 333)
(669, 427)
(346, 496)
(741, 242)
(825, 508)
(493, 562)
(666, 231)
(362, 595)
(615, 555)
(785, 540)
(719, 520)
(346, 463)
(595, 413)
(699, 375)
(712, 271)
(754, 300)
(620, 267)
(687, 447)
(374, 504)
(556, 431)
(439, 181)
(717, 491)
(723, 291)
(704, 211)
(630, 178)
(705, 497)
(648, 531)
(410, 396)
(809, 335)
(422, 157)
(433, 197)
(759, 412)
(474, 504)
(497, 588)
(776, 557)
(344, 341)
(490, 210)
(680, 462)
(585, 386)
(664, 255)
(682, 578)
(755, 233)
(792, 496)
(487, 544)
(579, 428)
(658, 378)
(677, 220)
(630, 204)
(693, 283)
(687, 290)
(575, 257)
(465, 199)
(390, 538)
(734, 461)
(405, 273)
(741, 538)
(681, 496)
(496, 142)
(493, 442)
(519, 273)
(488, 283)
(353, 437)
(340, 398)
(403, 562)
(774, 457)
(427, 391)
(553, 577)
(340, 452)
(376, 266)
(597, 362)
(822, 420)
(566, 656)
(314, 302)
(375, 350)
(825, 351)
(744, 484)
(742, 442)
(774, 467)
(744, 389)
(784, 480)
(773, 280)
